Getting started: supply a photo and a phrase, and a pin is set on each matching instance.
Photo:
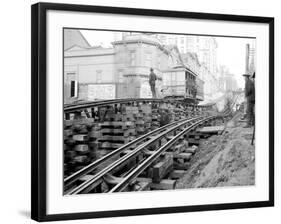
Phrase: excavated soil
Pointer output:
(223, 160)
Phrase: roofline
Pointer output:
(85, 38)
(154, 43)
(76, 46)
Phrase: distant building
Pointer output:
(250, 58)
(178, 40)
(205, 47)
(192, 62)
(226, 81)
(208, 53)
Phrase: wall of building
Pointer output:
(126, 65)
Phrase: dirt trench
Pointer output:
(223, 160)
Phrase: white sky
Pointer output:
(230, 52)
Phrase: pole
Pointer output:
(253, 137)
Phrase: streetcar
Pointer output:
(181, 82)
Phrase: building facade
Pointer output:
(122, 71)
(200, 52)
(250, 58)
(226, 81)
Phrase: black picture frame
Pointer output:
(39, 108)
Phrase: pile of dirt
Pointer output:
(223, 160)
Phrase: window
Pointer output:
(73, 88)
(182, 40)
(132, 58)
(171, 40)
(120, 76)
(99, 76)
(70, 73)
(148, 60)
(159, 61)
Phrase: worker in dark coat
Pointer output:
(250, 97)
(152, 81)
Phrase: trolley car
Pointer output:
(181, 82)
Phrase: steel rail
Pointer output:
(80, 106)
(136, 172)
(75, 107)
(114, 100)
(74, 177)
(87, 184)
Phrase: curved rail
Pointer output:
(89, 168)
(68, 108)
(133, 174)
(86, 186)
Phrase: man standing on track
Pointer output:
(152, 81)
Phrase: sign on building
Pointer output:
(101, 91)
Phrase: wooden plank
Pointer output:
(144, 179)
(177, 174)
(82, 149)
(80, 138)
(181, 147)
(117, 123)
(94, 145)
(119, 132)
(108, 145)
(191, 149)
(81, 159)
(193, 141)
(67, 133)
(164, 184)
(114, 138)
(142, 186)
(139, 122)
(212, 129)
(94, 134)
(162, 168)
(79, 121)
(183, 155)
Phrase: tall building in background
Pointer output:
(204, 47)
(226, 80)
(204, 51)
(250, 60)
(178, 40)
(208, 53)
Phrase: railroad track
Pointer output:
(70, 108)
(139, 169)
(175, 131)
(76, 176)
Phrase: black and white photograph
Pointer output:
(147, 111)
(140, 111)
